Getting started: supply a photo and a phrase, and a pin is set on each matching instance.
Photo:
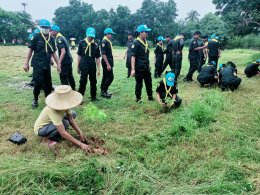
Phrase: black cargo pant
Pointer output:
(202, 61)
(207, 80)
(91, 73)
(168, 61)
(158, 66)
(128, 65)
(66, 75)
(232, 85)
(140, 76)
(108, 76)
(214, 58)
(194, 64)
(42, 80)
(51, 131)
(177, 65)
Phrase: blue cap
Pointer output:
(31, 36)
(220, 66)
(143, 28)
(91, 32)
(160, 38)
(45, 23)
(213, 36)
(213, 63)
(170, 79)
(36, 31)
(217, 37)
(55, 28)
(109, 31)
(258, 61)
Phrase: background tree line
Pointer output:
(233, 19)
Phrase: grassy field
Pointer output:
(210, 145)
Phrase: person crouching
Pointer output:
(167, 92)
(208, 75)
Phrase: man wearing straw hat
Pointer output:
(56, 117)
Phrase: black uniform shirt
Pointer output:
(213, 47)
(162, 92)
(129, 47)
(206, 72)
(41, 58)
(178, 46)
(227, 74)
(87, 60)
(61, 43)
(106, 49)
(192, 53)
(252, 69)
(158, 51)
(168, 49)
(141, 57)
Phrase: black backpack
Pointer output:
(17, 138)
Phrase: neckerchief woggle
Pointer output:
(167, 90)
(47, 42)
(88, 46)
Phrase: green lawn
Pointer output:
(210, 145)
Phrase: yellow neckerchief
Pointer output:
(206, 43)
(88, 48)
(47, 42)
(167, 90)
(105, 38)
(215, 40)
(177, 38)
(57, 36)
(145, 44)
(161, 46)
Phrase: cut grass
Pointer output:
(218, 153)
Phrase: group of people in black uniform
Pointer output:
(43, 46)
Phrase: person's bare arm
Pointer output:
(98, 65)
(78, 69)
(159, 99)
(106, 61)
(56, 61)
(70, 138)
(200, 48)
(62, 55)
(75, 126)
(133, 66)
(26, 66)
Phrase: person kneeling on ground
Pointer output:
(208, 74)
(253, 69)
(167, 92)
(56, 117)
(228, 78)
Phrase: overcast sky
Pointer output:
(45, 9)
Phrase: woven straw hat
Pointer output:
(63, 98)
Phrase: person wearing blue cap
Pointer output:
(140, 63)
(107, 62)
(89, 63)
(214, 49)
(43, 48)
(253, 69)
(65, 58)
(159, 57)
(208, 75)
(130, 41)
(177, 47)
(228, 78)
(167, 92)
